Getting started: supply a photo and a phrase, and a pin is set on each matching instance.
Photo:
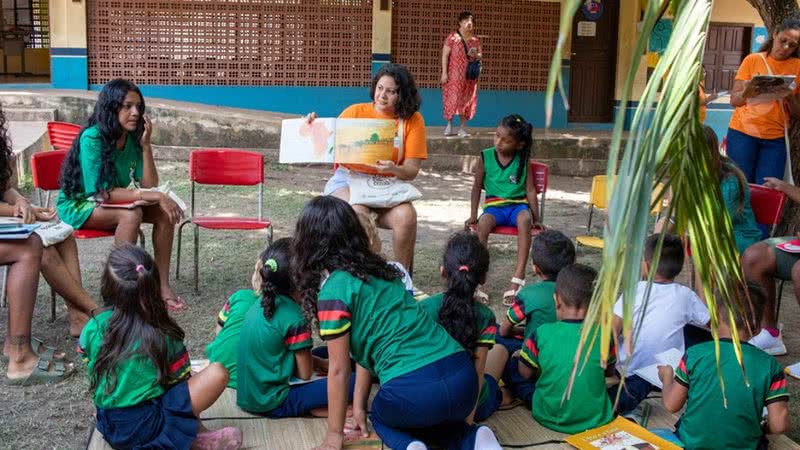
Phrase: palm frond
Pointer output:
(665, 144)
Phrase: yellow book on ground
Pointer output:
(620, 434)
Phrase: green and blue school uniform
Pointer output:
(266, 358)
(506, 196)
(534, 305)
(428, 381)
(224, 349)
(706, 421)
(490, 397)
(133, 410)
(128, 163)
(550, 350)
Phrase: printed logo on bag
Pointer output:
(380, 182)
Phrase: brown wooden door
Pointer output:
(727, 44)
(593, 65)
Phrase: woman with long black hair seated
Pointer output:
(112, 161)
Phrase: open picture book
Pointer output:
(329, 140)
(620, 434)
(649, 373)
(164, 188)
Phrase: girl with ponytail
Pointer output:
(510, 193)
(471, 323)
(139, 370)
(275, 364)
(224, 348)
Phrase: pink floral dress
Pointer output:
(459, 95)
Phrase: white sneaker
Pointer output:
(416, 445)
(486, 440)
(770, 344)
(448, 130)
(462, 133)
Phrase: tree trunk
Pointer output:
(773, 13)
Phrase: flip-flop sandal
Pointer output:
(44, 372)
(175, 304)
(41, 349)
(508, 296)
(481, 296)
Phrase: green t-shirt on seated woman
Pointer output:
(127, 161)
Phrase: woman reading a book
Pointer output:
(757, 139)
(112, 162)
(394, 96)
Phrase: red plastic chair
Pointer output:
(46, 170)
(768, 207)
(62, 134)
(541, 175)
(223, 167)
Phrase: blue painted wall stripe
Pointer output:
(69, 72)
(329, 101)
(67, 51)
(381, 57)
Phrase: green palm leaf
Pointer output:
(665, 144)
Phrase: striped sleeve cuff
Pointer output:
(224, 313)
(516, 313)
(488, 336)
(682, 374)
(298, 338)
(334, 318)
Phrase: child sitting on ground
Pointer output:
(549, 354)
(551, 251)
(224, 349)
(660, 321)
(510, 192)
(471, 323)
(138, 367)
(275, 345)
(729, 419)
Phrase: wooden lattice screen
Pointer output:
(231, 42)
(518, 38)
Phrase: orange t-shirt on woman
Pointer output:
(763, 120)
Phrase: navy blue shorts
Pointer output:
(492, 401)
(302, 398)
(506, 216)
(162, 422)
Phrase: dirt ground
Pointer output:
(61, 416)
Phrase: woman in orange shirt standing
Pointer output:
(756, 134)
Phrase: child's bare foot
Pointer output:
(228, 438)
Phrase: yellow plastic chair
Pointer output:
(597, 199)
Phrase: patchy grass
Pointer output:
(61, 416)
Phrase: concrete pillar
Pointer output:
(69, 68)
(381, 33)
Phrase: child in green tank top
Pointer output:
(510, 193)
